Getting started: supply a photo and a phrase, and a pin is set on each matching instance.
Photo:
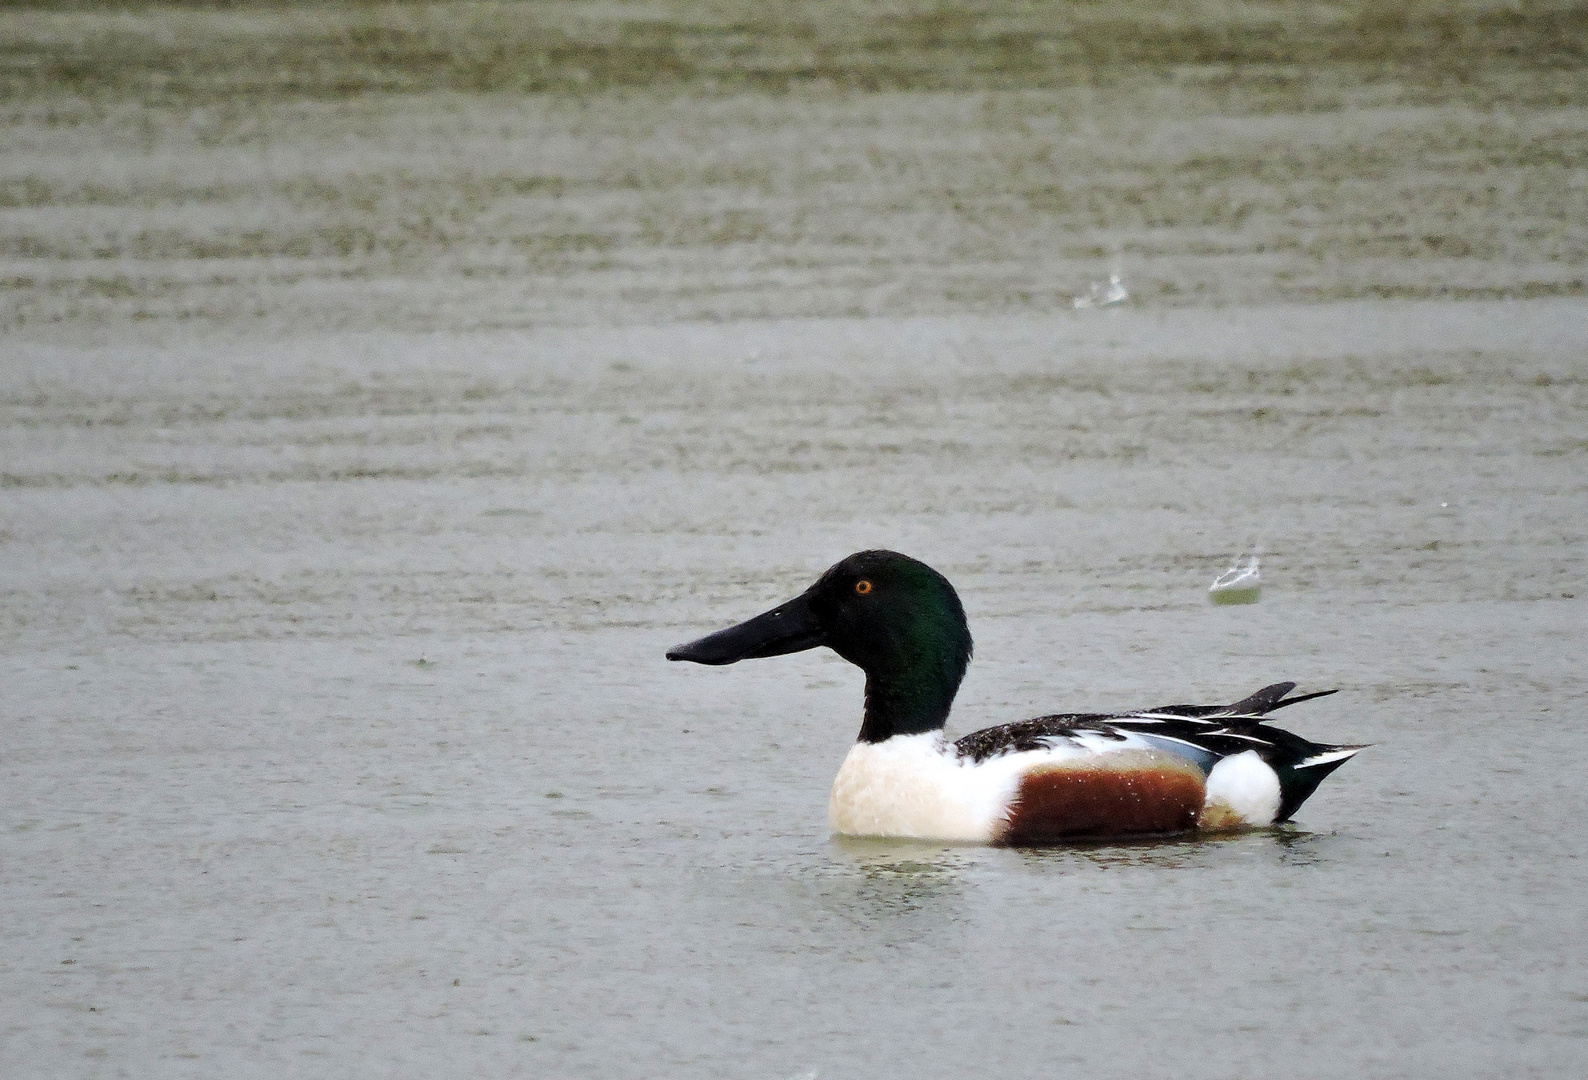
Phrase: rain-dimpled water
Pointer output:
(387, 388)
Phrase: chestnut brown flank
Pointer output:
(1088, 801)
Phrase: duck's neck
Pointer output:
(910, 705)
(914, 654)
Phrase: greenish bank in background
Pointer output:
(432, 166)
(181, 52)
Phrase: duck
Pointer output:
(1053, 779)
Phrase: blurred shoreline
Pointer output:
(459, 166)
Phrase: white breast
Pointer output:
(912, 785)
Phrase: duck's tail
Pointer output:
(1211, 734)
(1299, 779)
(1271, 698)
(1300, 765)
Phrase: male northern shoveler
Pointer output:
(1059, 777)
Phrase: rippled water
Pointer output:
(365, 444)
(339, 737)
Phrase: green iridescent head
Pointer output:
(894, 617)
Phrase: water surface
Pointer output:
(365, 444)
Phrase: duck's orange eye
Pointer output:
(862, 587)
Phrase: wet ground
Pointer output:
(376, 414)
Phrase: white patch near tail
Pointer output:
(1242, 790)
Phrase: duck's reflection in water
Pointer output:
(882, 882)
(1284, 844)
(931, 865)
(888, 878)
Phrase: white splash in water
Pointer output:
(1104, 293)
(1242, 583)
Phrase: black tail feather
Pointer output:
(1265, 700)
(1298, 780)
(1271, 698)
(1300, 698)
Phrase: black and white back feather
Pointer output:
(1203, 734)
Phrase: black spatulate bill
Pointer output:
(787, 628)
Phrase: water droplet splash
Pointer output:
(1104, 293)
(1242, 583)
